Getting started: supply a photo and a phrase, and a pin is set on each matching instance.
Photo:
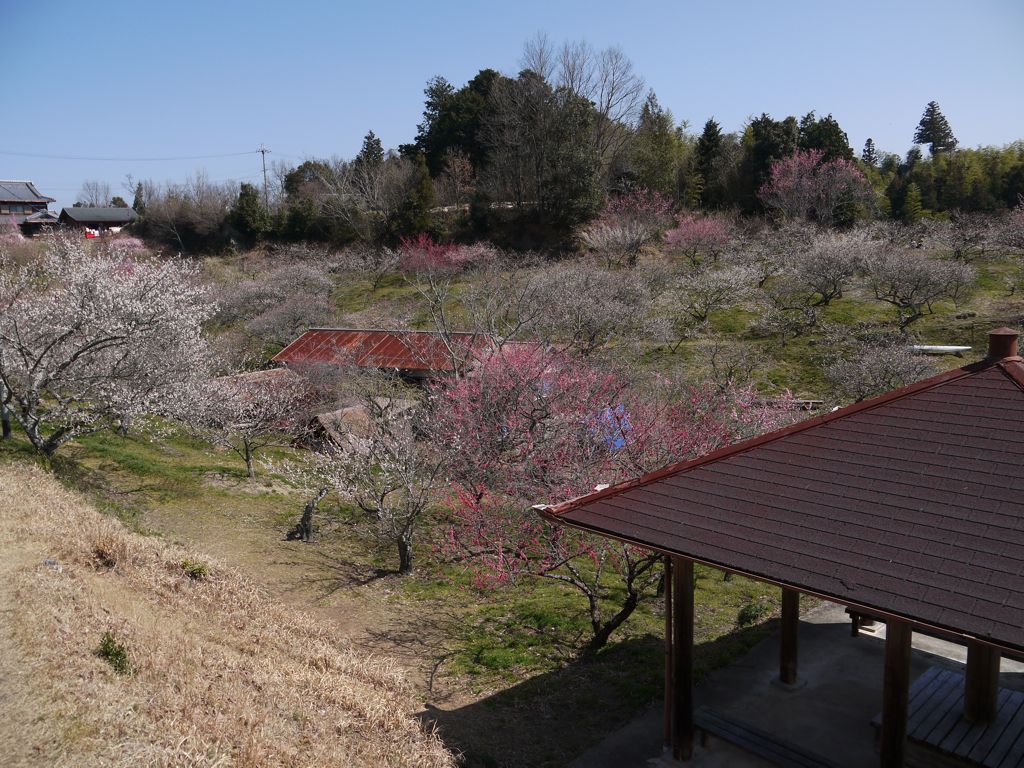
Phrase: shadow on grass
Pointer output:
(548, 720)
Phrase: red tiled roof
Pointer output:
(911, 504)
(416, 351)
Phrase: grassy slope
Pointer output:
(216, 674)
(492, 665)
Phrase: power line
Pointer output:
(125, 159)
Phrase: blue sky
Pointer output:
(160, 79)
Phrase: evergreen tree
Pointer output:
(709, 149)
(869, 155)
(934, 131)
(371, 155)
(414, 214)
(657, 149)
(139, 203)
(912, 204)
(248, 215)
(118, 202)
(765, 141)
(826, 135)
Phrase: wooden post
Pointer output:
(788, 640)
(682, 659)
(667, 719)
(896, 695)
(981, 687)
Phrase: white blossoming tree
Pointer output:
(92, 338)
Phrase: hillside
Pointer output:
(200, 668)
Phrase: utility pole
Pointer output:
(266, 197)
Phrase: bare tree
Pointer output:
(375, 262)
(692, 298)
(191, 213)
(617, 242)
(89, 340)
(276, 306)
(966, 235)
(585, 307)
(826, 266)
(247, 412)
(604, 78)
(862, 364)
(367, 196)
(539, 55)
(913, 282)
(94, 194)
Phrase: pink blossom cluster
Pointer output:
(695, 235)
(10, 232)
(536, 425)
(640, 205)
(423, 254)
(805, 186)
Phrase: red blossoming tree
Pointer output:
(536, 425)
(804, 186)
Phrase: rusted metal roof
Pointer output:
(421, 352)
(909, 504)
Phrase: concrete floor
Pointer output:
(828, 712)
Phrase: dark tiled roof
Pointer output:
(415, 351)
(21, 192)
(911, 504)
(109, 215)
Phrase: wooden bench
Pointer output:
(756, 741)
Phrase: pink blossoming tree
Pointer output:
(699, 237)
(803, 187)
(536, 425)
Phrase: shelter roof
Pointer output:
(910, 504)
(107, 215)
(414, 351)
(22, 192)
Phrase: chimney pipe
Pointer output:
(1002, 343)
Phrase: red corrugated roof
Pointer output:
(415, 351)
(909, 504)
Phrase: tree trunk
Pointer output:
(304, 529)
(5, 421)
(404, 554)
(248, 461)
(600, 638)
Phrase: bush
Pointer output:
(195, 570)
(752, 613)
(114, 653)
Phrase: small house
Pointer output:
(25, 205)
(96, 221)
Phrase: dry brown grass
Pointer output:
(220, 675)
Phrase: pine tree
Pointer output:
(249, 215)
(934, 130)
(139, 203)
(869, 155)
(657, 149)
(709, 147)
(414, 214)
(825, 134)
(912, 204)
(372, 153)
